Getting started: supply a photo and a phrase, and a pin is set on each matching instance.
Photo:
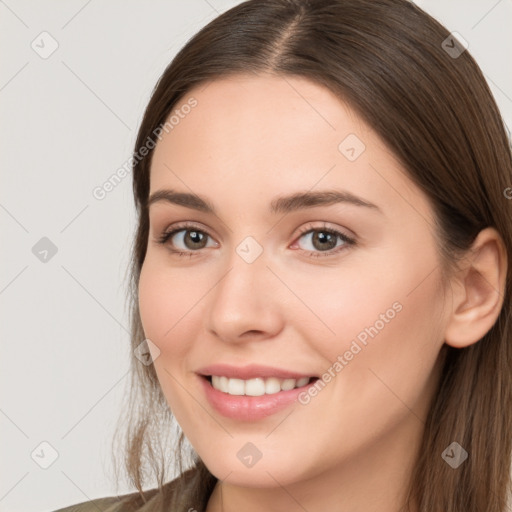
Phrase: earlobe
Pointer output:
(478, 290)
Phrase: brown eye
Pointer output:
(191, 239)
(323, 241)
(194, 239)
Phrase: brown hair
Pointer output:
(387, 60)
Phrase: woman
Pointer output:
(321, 289)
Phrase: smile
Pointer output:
(251, 393)
(257, 386)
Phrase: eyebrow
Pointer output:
(282, 204)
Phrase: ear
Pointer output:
(478, 290)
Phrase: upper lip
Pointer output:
(249, 372)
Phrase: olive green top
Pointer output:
(189, 492)
(124, 503)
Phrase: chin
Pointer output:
(272, 469)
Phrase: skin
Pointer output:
(354, 446)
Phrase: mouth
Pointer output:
(252, 399)
(257, 386)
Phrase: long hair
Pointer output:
(404, 75)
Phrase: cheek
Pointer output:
(164, 300)
(385, 315)
(337, 304)
(388, 336)
(153, 302)
(165, 306)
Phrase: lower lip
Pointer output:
(250, 408)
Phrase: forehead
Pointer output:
(241, 113)
(256, 135)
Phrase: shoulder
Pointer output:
(132, 502)
(193, 486)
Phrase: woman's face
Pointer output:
(268, 296)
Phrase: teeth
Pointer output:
(254, 387)
(223, 384)
(257, 386)
(236, 387)
(272, 386)
(302, 382)
(288, 384)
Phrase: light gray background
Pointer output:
(69, 122)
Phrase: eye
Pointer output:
(189, 236)
(323, 241)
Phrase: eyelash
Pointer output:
(162, 239)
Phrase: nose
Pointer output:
(244, 305)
